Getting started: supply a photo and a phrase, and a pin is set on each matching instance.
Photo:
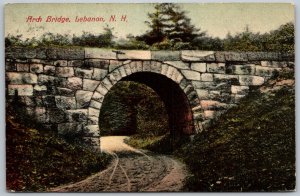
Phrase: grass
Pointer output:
(164, 144)
(251, 148)
(38, 160)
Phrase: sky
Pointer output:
(216, 19)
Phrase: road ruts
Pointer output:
(131, 170)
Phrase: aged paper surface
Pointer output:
(150, 97)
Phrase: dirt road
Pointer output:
(131, 170)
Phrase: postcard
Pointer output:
(150, 97)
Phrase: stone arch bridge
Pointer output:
(63, 89)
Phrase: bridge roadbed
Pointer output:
(132, 170)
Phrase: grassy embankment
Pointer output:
(37, 160)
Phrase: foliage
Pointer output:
(130, 108)
(169, 25)
(165, 144)
(250, 148)
(87, 39)
(37, 160)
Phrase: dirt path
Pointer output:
(131, 170)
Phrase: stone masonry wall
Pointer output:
(63, 89)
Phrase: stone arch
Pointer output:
(131, 69)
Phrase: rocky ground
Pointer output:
(132, 170)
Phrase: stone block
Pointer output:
(251, 80)
(202, 94)
(139, 66)
(191, 75)
(107, 83)
(100, 53)
(209, 114)
(178, 64)
(236, 56)
(170, 72)
(90, 85)
(146, 66)
(79, 115)
(164, 55)
(259, 56)
(49, 70)
(75, 63)
(164, 69)
(248, 69)
(198, 55)
(127, 69)
(207, 77)
(93, 112)
(22, 90)
(203, 85)
(188, 89)
(65, 53)
(64, 71)
(84, 73)
(74, 83)
(92, 130)
(92, 120)
(117, 75)
(102, 89)
(274, 64)
(83, 98)
(241, 90)
(133, 66)
(155, 66)
(45, 79)
(39, 88)
(95, 104)
(99, 74)
(229, 79)
(63, 102)
(177, 77)
(60, 63)
(22, 67)
(135, 54)
(266, 71)
(201, 67)
(215, 67)
(220, 57)
(21, 78)
(98, 97)
(123, 72)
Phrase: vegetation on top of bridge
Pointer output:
(169, 29)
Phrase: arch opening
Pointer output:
(180, 117)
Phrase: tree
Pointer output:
(169, 26)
